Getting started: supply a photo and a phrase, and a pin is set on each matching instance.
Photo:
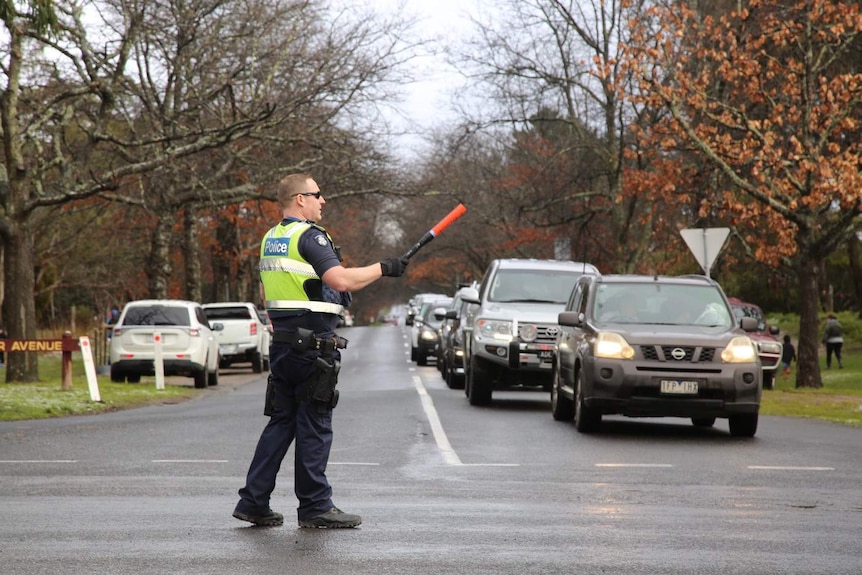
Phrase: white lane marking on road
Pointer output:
(633, 465)
(189, 460)
(490, 465)
(38, 461)
(449, 455)
(790, 468)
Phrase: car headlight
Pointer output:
(770, 347)
(494, 329)
(428, 335)
(613, 346)
(739, 350)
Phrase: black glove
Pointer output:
(394, 267)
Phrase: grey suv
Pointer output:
(510, 342)
(653, 346)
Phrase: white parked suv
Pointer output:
(189, 345)
(245, 337)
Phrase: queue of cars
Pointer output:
(633, 345)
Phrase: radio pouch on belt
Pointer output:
(321, 385)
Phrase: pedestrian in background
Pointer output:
(788, 354)
(833, 339)
(305, 287)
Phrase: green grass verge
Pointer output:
(839, 400)
(46, 398)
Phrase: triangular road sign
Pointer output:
(705, 244)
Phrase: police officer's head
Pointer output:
(300, 197)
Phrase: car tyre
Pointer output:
(421, 358)
(479, 388)
(212, 378)
(587, 419)
(257, 362)
(703, 421)
(134, 378)
(200, 378)
(562, 408)
(769, 380)
(414, 353)
(743, 425)
(266, 364)
(116, 376)
(453, 380)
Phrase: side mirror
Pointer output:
(470, 295)
(440, 313)
(570, 318)
(773, 329)
(748, 324)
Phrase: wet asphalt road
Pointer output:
(442, 487)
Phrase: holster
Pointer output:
(269, 402)
(321, 385)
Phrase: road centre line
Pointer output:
(790, 468)
(189, 460)
(449, 455)
(633, 465)
(38, 461)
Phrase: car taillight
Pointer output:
(252, 329)
(118, 331)
(194, 332)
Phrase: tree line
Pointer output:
(140, 152)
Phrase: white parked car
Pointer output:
(189, 345)
(245, 337)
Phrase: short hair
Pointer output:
(290, 185)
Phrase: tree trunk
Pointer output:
(194, 292)
(19, 308)
(159, 262)
(807, 354)
(853, 249)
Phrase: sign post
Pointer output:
(705, 244)
(158, 361)
(90, 368)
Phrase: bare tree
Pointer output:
(119, 97)
(552, 69)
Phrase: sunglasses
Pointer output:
(315, 194)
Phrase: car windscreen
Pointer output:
(661, 303)
(533, 286)
(156, 315)
(216, 313)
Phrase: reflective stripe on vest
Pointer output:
(317, 306)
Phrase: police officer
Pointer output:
(305, 288)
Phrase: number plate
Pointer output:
(679, 387)
(546, 355)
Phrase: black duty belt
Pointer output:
(304, 339)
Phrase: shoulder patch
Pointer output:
(321, 240)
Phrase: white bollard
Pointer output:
(158, 361)
(90, 368)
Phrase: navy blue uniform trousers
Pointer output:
(294, 417)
